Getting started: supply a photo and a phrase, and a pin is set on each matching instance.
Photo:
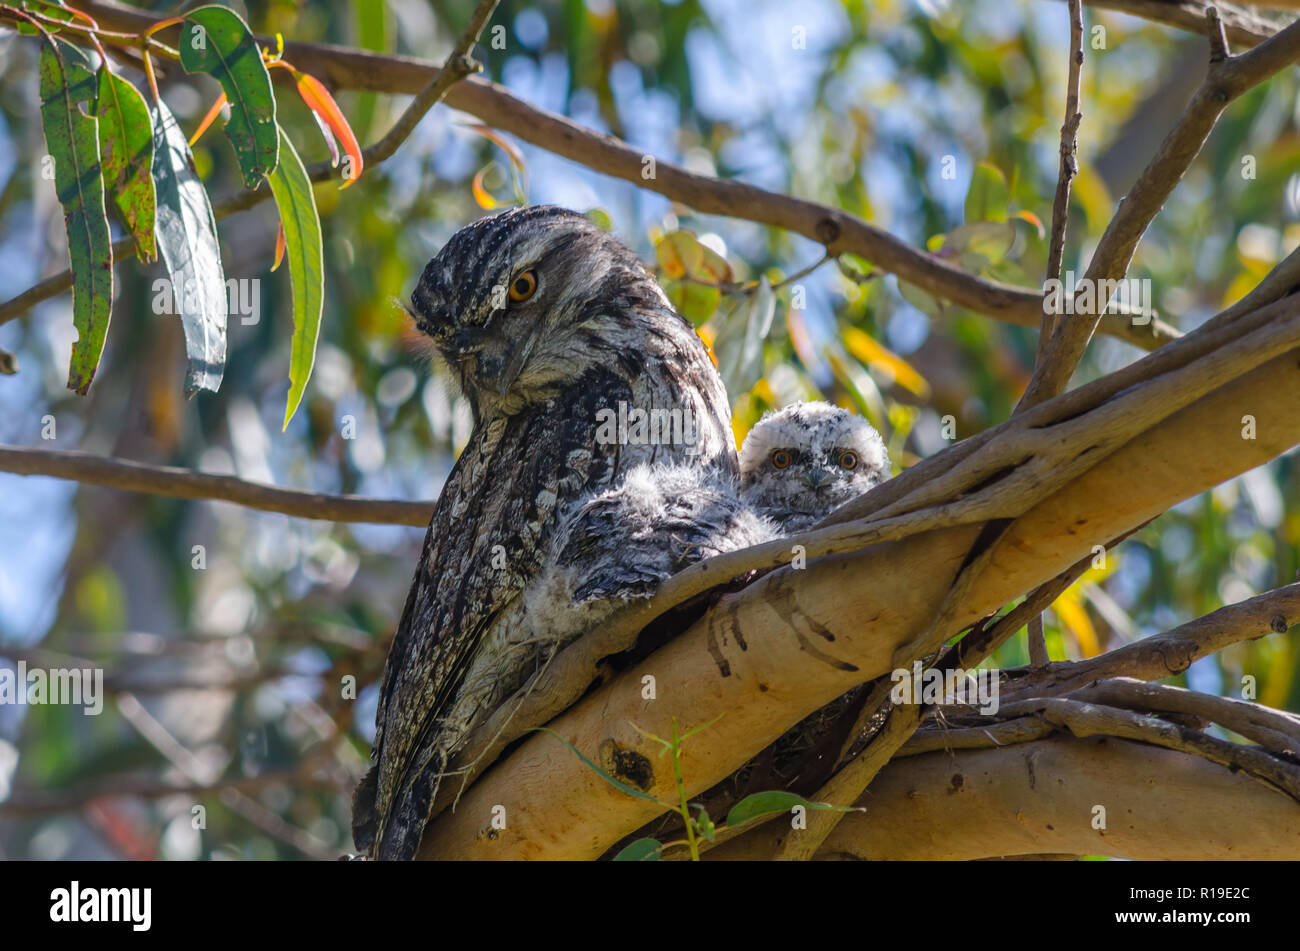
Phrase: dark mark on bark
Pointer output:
(711, 640)
(733, 626)
(628, 765)
(783, 603)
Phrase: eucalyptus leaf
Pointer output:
(126, 153)
(988, 195)
(742, 359)
(640, 850)
(214, 40)
(305, 256)
(187, 239)
(774, 801)
(67, 85)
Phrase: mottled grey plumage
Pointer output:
(800, 463)
(620, 544)
(542, 375)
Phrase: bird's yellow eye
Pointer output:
(781, 458)
(848, 459)
(523, 286)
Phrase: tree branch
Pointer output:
(839, 231)
(184, 484)
(1172, 652)
(995, 802)
(1226, 79)
(1244, 27)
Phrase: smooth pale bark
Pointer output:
(1041, 797)
(770, 655)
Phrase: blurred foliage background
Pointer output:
(923, 117)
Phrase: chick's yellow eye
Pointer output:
(523, 286)
(848, 460)
(781, 458)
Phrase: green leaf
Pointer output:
(704, 824)
(51, 9)
(601, 219)
(70, 134)
(126, 153)
(921, 300)
(305, 256)
(989, 240)
(187, 238)
(695, 302)
(624, 787)
(642, 850)
(741, 357)
(774, 801)
(987, 198)
(216, 41)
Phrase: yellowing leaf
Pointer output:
(1091, 194)
(713, 267)
(481, 194)
(1069, 609)
(279, 247)
(679, 253)
(863, 346)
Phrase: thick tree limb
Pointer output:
(1041, 796)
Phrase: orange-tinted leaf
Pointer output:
(713, 267)
(321, 103)
(330, 141)
(209, 118)
(1033, 219)
(863, 346)
(279, 246)
(481, 194)
(680, 253)
(799, 338)
(511, 150)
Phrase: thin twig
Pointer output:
(1067, 168)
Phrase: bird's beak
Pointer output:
(510, 372)
(469, 340)
(815, 479)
